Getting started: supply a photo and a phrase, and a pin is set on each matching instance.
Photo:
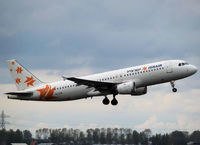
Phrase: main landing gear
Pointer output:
(106, 101)
(173, 86)
(114, 101)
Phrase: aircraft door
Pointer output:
(169, 67)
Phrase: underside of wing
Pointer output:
(101, 86)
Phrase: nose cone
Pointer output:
(193, 69)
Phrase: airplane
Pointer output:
(132, 81)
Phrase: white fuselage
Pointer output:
(143, 76)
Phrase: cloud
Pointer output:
(183, 123)
(54, 43)
(127, 34)
(6, 32)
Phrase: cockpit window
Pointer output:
(183, 63)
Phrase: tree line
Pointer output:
(98, 136)
(18, 136)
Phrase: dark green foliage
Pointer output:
(11, 136)
(27, 136)
(195, 136)
(98, 136)
(175, 138)
(159, 139)
(135, 137)
(178, 138)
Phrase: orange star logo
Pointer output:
(19, 70)
(12, 62)
(29, 81)
(46, 93)
(18, 80)
(144, 68)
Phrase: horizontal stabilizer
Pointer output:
(20, 94)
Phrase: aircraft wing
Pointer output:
(91, 83)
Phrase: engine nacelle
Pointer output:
(128, 88)
(140, 91)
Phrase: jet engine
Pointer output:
(130, 88)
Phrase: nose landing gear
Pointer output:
(173, 86)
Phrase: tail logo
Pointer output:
(29, 81)
(144, 68)
(18, 80)
(19, 70)
(47, 93)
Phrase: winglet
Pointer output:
(64, 78)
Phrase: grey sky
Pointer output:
(52, 38)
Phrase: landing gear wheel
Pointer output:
(174, 90)
(106, 101)
(114, 101)
(173, 86)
